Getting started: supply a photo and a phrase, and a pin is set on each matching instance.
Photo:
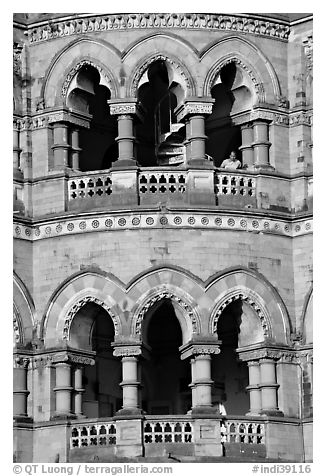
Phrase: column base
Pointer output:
(63, 416)
(203, 410)
(271, 413)
(124, 164)
(263, 167)
(200, 163)
(129, 412)
(22, 419)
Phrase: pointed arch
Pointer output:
(258, 293)
(137, 70)
(63, 68)
(23, 312)
(72, 296)
(249, 58)
(306, 330)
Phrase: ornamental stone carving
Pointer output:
(166, 295)
(76, 307)
(16, 326)
(21, 362)
(45, 120)
(308, 50)
(75, 70)
(194, 108)
(249, 300)
(236, 23)
(17, 52)
(127, 351)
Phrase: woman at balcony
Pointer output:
(232, 162)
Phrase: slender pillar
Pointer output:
(130, 385)
(75, 149)
(78, 391)
(268, 387)
(16, 149)
(261, 144)
(254, 388)
(60, 145)
(63, 390)
(203, 381)
(127, 112)
(247, 136)
(193, 383)
(20, 391)
(193, 112)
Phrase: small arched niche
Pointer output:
(233, 94)
(160, 139)
(92, 329)
(165, 376)
(88, 94)
(237, 326)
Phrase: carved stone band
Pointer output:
(193, 108)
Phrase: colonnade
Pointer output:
(68, 388)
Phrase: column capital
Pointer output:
(126, 106)
(68, 356)
(130, 349)
(194, 106)
(191, 349)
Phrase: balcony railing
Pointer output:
(93, 434)
(168, 431)
(237, 431)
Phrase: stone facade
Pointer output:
(125, 224)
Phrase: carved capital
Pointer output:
(195, 350)
(191, 108)
(21, 362)
(119, 108)
(127, 351)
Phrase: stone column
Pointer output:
(268, 387)
(75, 149)
(261, 145)
(16, 148)
(60, 145)
(194, 111)
(201, 384)
(127, 111)
(78, 391)
(63, 390)
(20, 391)
(254, 388)
(247, 136)
(130, 384)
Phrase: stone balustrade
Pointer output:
(246, 431)
(168, 431)
(93, 433)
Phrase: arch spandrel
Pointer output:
(66, 64)
(307, 320)
(255, 292)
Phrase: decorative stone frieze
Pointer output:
(131, 221)
(308, 50)
(21, 362)
(301, 118)
(76, 307)
(17, 52)
(194, 107)
(127, 351)
(49, 118)
(64, 356)
(166, 295)
(192, 349)
(279, 355)
(235, 23)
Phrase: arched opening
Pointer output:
(87, 94)
(159, 137)
(233, 96)
(229, 374)
(165, 376)
(92, 329)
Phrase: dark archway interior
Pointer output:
(103, 394)
(230, 375)
(165, 376)
(159, 100)
(222, 135)
(98, 146)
